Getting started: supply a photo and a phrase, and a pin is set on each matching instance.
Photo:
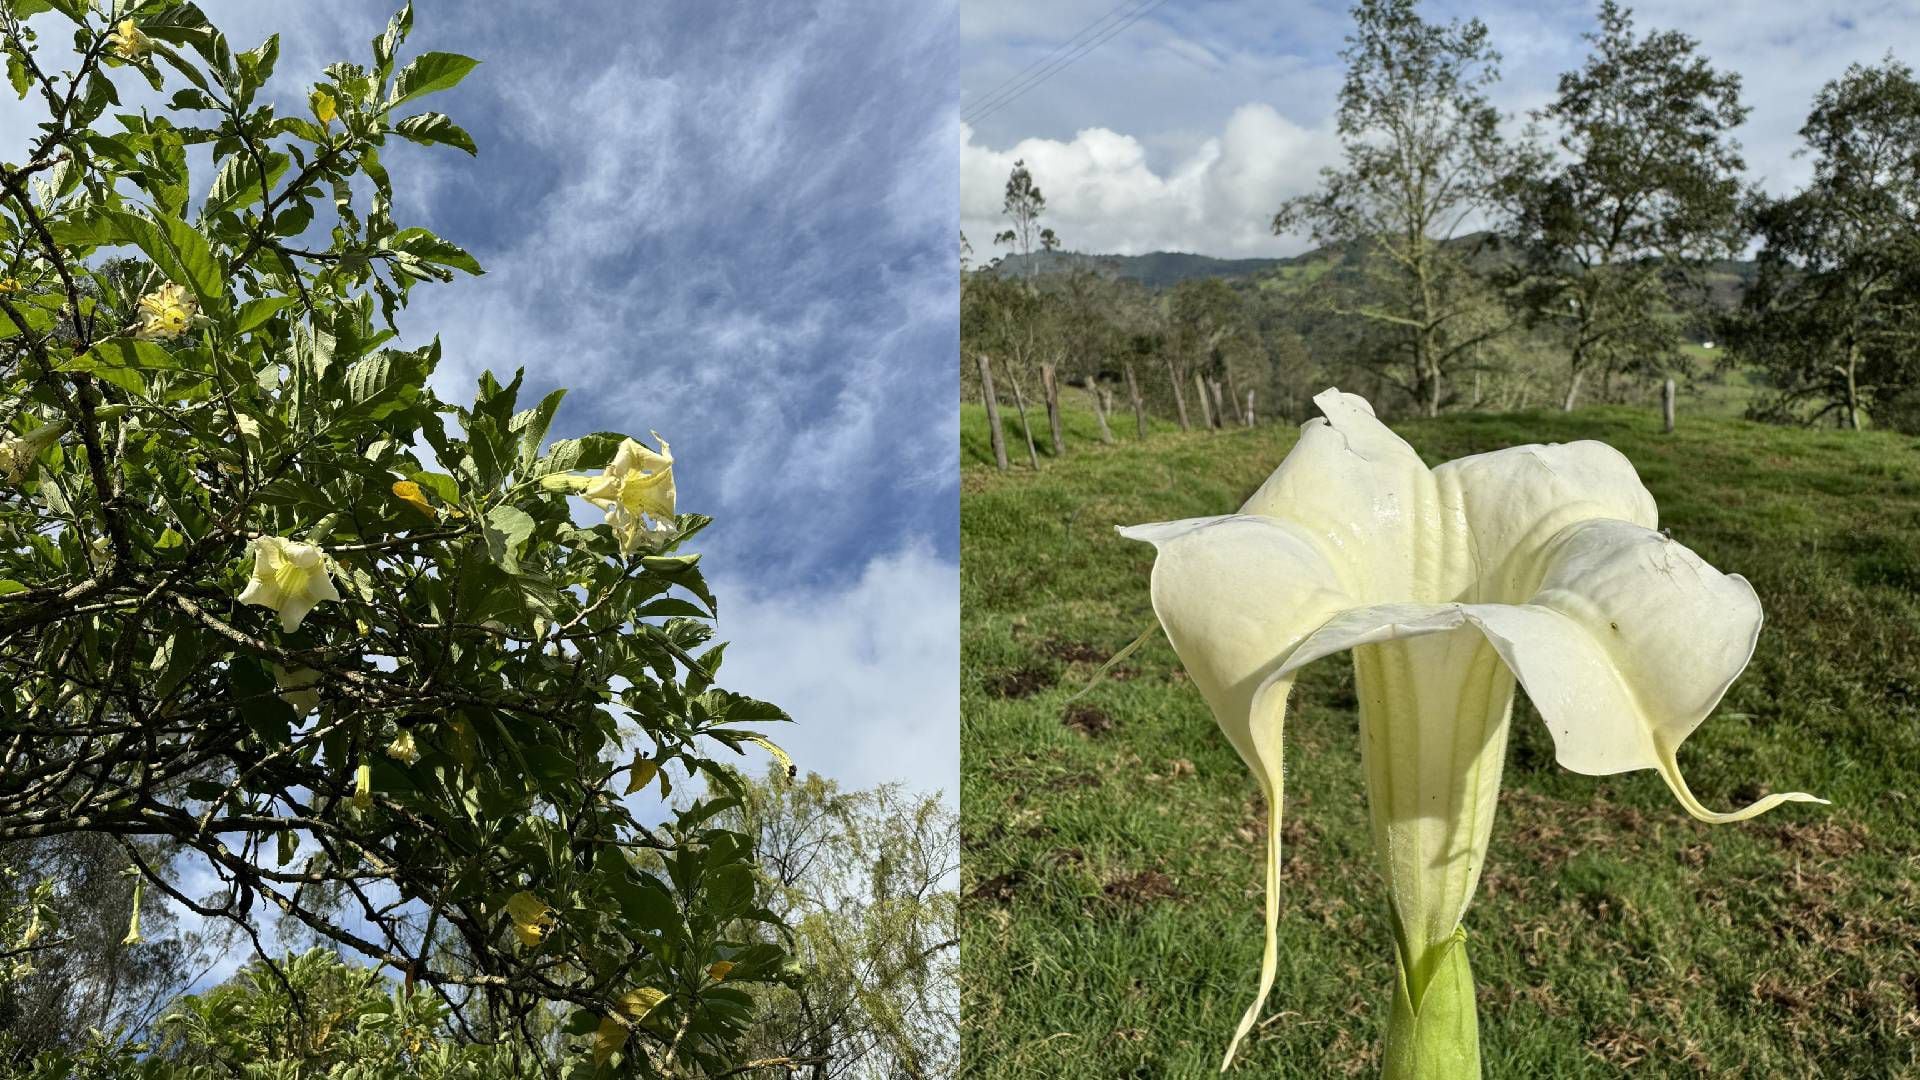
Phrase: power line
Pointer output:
(982, 110)
(1092, 27)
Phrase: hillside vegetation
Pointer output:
(1112, 847)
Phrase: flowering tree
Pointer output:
(264, 595)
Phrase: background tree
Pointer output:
(1833, 316)
(1011, 324)
(1424, 156)
(1204, 316)
(267, 600)
(1646, 187)
(86, 976)
(1023, 206)
(868, 880)
(320, 1016)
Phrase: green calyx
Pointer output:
(1432, 1032)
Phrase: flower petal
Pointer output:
(1361, 492)
(1235, 594)
(1513, 501)
(1630, 643)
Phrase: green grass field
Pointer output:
(1112, 848)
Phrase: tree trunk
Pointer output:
(1853, 386)
(1219, 405)
(1206, 406)
(1666, 405)
(1102, 407)
(998, 436)
(1573, 390)
(1233, 398)
(1249, 412)
(1179, 399)
(1020, 402)
(1139, 407)
(1050, 386)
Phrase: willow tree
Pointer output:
(1424, 163)
(266, 597)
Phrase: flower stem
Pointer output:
(1432, 1032)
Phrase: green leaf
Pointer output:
(531, 425)
(429, 73)
(388, 43)
(18, 75)
(238, 182)
(507, 528)
(587, 452)
(8, 585)
(446, 487)
(367, 378)
(181, 253)
(254, 313)
(432, 127)
(124, 353)
(729, 889)
(427, 247)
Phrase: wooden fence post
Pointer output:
(1102, 405)
(993, 412)
(1219, 406)
(1666, 405)
(1050, 386)
(1020, 402)
(1206, 404)
(1139, 408)
(1179, 399)
(1249, 414)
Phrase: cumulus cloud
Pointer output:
(1103, 194)
(870, 671)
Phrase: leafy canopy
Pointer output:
(417, 738)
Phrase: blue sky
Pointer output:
(1189, 128)
(731, 223)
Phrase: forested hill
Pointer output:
(1165, 269)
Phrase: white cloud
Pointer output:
(870, 671)
(1104, 195)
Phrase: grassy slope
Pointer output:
(1112, 863)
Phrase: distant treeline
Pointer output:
(1597, 254)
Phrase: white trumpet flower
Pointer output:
(289, 577)
(1535, 563)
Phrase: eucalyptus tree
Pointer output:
(266, 598)
(1834, 314)
(1425, 159)
(1022, 207)
(1645, 187)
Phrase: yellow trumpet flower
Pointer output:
(127, 42)
(636, 491)
(531, 916)
(165, 313)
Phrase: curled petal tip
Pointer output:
(1670, 770)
